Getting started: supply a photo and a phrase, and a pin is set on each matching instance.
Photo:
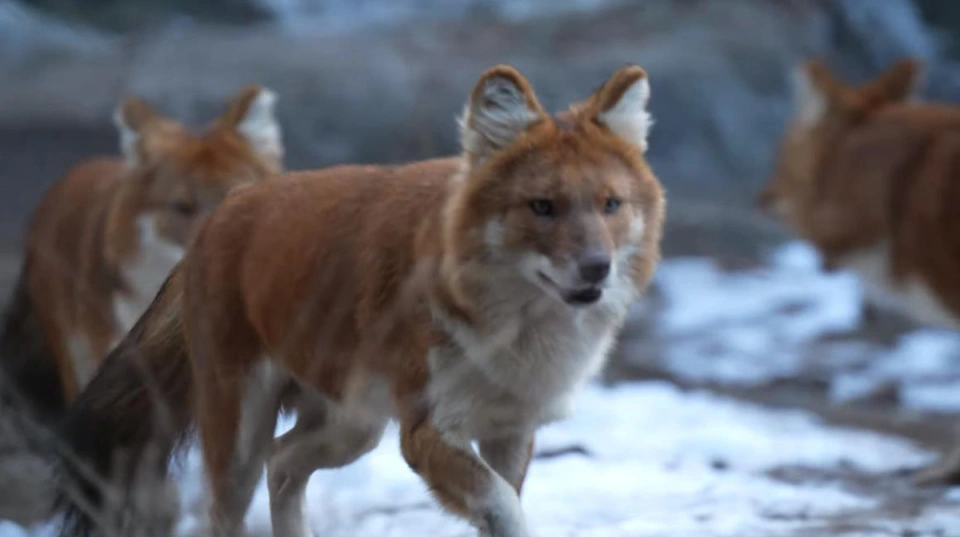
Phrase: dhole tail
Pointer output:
(127, 423)
(29, 377)
(30, 400)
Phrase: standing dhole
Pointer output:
(104, 238)
(468, 298)
(869, 176)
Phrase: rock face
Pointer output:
(389, 92)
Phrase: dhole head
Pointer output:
(825, 108)
(567, 202)
(176, 177)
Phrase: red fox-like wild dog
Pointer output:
(869, 176)
(104, 238)
(468, 298)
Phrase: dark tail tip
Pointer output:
(29, 377)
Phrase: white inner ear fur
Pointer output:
(811, 104)
(128, 139)
(496, 118)
(629, 118)
(260, 126)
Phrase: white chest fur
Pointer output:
(521, 371)
(913, 297)
(145, 273)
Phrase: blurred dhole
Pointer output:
(104, 237)
(871, 177)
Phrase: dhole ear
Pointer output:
(621, 105)
(132, 118)
(252, 115)
(899, 83)
(502, 106)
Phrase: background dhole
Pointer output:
(869, 176)
(104, 237)
(469, 298)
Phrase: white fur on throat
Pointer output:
(260, 126)
(522, 363)
(629, 118)
(913, 298)
(145, 273)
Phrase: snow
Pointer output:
(748, 328)
(654, 460)
(659, 461)
(650, 459)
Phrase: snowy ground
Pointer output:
(649, 461)
(653, 459)
(789, 320)
(643, 459)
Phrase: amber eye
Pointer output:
(542, 207)
(611, 206)
(182, 208)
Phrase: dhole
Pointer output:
(468, 298)
(104, 238)
(869, 177)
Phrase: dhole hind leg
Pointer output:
(325, 436)
(237, 420)
(462, 481)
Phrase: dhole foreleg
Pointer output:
(510, 457)
(462, 481)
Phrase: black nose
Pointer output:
(594, 268)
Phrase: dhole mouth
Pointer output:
(577, 297)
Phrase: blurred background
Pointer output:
(739, 309)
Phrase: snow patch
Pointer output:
(659, 461)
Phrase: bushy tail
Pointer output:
(31, 400)
(127, 423)
(29, 377)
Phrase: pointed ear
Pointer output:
(132, 118)
(813, 86)
(251, 114)
(502, 106)
(899, 83)
(621, 105)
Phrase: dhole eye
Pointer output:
(542, 207)
(611, 205)
(182, 208)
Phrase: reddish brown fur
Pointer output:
(84, 229)
(875, 169)
(277, 267)
(337, 276)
